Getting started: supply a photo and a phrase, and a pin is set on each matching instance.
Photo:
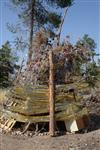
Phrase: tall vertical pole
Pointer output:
(51, 96)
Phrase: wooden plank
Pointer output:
(60, 116)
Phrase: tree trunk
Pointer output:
(60, 28)
(31, 32)
(52, 96)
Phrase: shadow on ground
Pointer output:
(94, 122)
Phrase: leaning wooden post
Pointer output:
(51, 96)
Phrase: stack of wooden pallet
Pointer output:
(32, 104)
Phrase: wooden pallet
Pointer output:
(7, 124)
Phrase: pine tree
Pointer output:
(87, 47)
(7, 65)
(36, 14)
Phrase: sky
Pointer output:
(82, 18)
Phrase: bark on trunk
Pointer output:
(31, 32)
(52, 96)
(60, 28)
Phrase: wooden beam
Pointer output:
(52, 96)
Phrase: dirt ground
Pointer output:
(87, 141)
